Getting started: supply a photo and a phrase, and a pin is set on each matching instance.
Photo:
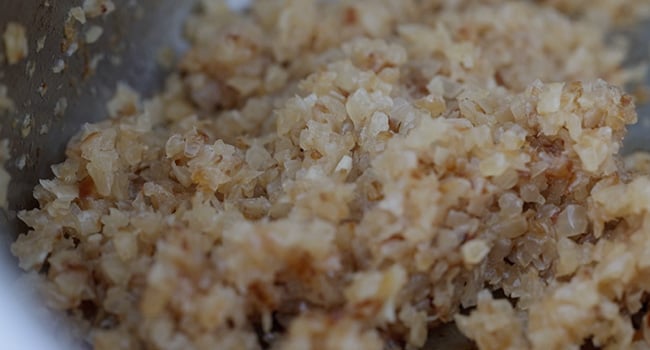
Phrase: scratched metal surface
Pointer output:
(134, 34)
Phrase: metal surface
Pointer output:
(133, 36)
(132, 39)
(638, 137)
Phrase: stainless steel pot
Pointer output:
(132, 38)
(127, 51)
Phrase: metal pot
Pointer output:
(132, 38)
